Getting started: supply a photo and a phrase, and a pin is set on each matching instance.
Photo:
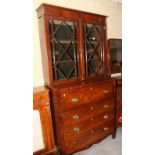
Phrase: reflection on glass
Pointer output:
(115, 46)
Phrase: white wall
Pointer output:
(104, 7)
(38, 143)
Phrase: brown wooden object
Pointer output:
(74, 55)
(115, 66)
(119, 102)
(41, 103)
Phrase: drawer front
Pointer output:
(77, 129)
(104, 117)
(104, 91)
(96, 133)
(78, 115)
(104, 105)
(83, 96)
(75, 98)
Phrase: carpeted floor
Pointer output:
(108, 146)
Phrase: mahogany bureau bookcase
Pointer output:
(74, 56)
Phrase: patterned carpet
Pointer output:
(108, 146)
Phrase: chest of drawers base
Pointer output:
(84, 114)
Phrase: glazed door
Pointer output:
(94, 51)
(64, 49)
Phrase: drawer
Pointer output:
(94, 134)
(83, 96)
(104, 126)
(76, 132)
(104, 105)
(107, 116)
(78, 115)
(75, 98)
(77, 129)
(103, 91)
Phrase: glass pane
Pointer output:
(94, 68)
(116, 69)
(93, 44)
(63, 30)
(68, 54)
(116, 55)
(65, 70)
(116, 50)
(63, 37)
(93, 32)
(91, 48)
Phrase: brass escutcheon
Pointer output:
(106, 129)
(105, 116)
(76, 129)
(76, 117)
(106, 91)
(105, 106)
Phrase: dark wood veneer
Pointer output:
(117, 79)
(118, 101)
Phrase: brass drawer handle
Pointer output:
(76, 129)
(91, 108)
(106, 91)
(105, 106)
(91, 88)
(76, 117)
(105, 116)
(106, 129)
(74, 100)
